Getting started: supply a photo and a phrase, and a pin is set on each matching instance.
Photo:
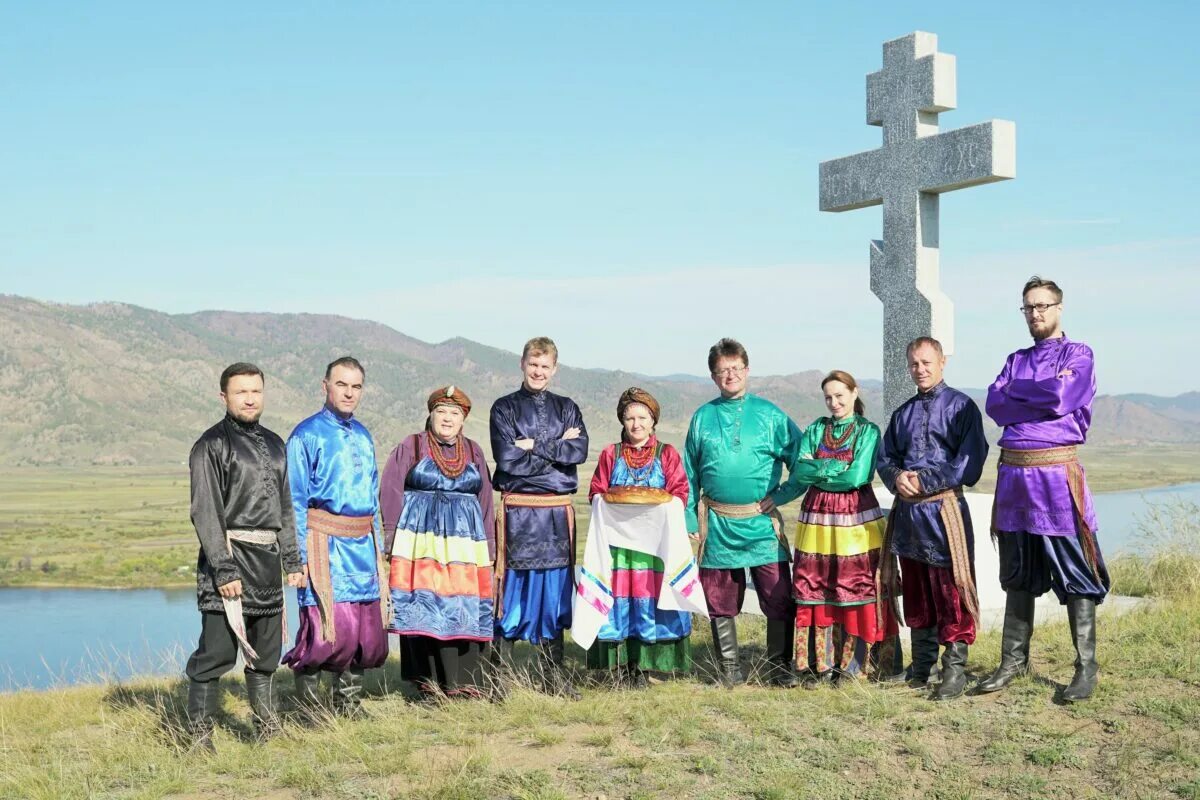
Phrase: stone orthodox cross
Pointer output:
(907, 174)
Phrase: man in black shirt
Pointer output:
(243, 517)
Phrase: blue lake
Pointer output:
(56, 637)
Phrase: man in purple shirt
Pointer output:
(1044, 520)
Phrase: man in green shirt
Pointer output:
(737, 446)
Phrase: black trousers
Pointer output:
(452, 665)
(1038, 564)
(217, 651)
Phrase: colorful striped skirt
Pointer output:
(637, 633)
(833, 582)
(441, 574)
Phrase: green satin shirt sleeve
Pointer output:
(788, 443)
(691, 465)
(806, 470)
(863, 466)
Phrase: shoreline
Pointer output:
(60, 585)
(189, 582)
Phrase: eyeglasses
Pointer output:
(728, 371)
(1039, 308)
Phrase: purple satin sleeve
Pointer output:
(486, 499)
(391, 489)
(1025, 396)
(1036, 403)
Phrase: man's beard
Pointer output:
(248, 416)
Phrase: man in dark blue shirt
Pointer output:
(933, 447)
(538, 439)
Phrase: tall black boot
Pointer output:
(503, 658)
(307, 695)
(262, 704)
(1081, 613)
(202, 701)
(924, 655)
(502, 668)
(1014, 643)
(781, 636)
(954, 672)
(725, 643)
(555, 678)
(501, 655)
(347, 693)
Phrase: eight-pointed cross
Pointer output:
(906, 175)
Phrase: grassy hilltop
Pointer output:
(1139, 737)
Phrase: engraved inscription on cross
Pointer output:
(907, 174)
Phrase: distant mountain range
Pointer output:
(111, 383)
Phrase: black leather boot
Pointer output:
(780, 640)
(725, 643)
(954, 672)
(307, 695)
(347, 693)
(1081, 613)
(503, 668)
(924, 655)
(1014, 642)
(501, 655)
(555, 678)
(202, 701)
(262, 704)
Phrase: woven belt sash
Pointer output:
(1053, 457)
(514, 500)
(233, 605)
(734, 511)
(887, 582)
(321, 527)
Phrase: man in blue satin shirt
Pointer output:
(334, 484)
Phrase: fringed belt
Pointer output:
(1052, 457)
(887, 583)
(514, 500)
(233, 605)
(734, 511)
(321, 527)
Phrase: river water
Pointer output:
(57, 637)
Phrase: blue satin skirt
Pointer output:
(537, 604)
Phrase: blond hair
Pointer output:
(539, 346)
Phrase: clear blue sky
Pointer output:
(634, 179)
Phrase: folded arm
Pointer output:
(859, 471)
(562, 450)
(510, 458)
(1011, 401)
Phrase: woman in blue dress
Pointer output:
(439, 527)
